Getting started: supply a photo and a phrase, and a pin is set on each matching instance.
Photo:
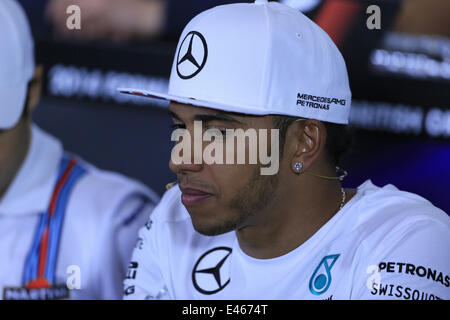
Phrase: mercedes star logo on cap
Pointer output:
(206, 275)
(192, 55)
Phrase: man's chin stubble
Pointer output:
(249, 201)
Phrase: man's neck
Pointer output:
(295, 215)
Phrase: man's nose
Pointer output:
(180, 168)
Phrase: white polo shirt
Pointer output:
(91, 226)
(384, 244)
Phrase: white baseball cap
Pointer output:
(16, 62)
(260, 58)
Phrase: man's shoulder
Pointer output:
(391, 206)
(110, 183)
(390, 219)
(102, 194)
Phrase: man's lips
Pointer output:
(191, 196)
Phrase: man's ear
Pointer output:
(310, 143)
(35, 88)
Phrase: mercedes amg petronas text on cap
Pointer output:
(17, 63)
(261, 58)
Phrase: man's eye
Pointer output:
(177, 126)
(222, 130)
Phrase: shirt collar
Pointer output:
(32, 187)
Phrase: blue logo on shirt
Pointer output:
(321, 278)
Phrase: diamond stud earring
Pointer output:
(298, 166)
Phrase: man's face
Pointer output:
(13, 148)
(222, 197)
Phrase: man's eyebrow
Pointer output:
(174, 115)
(215, 117)
(208, 117)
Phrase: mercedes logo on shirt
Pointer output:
(210, 273)
(192, 55)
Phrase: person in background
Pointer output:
(117, 20)
(424, 17)
(67, 228)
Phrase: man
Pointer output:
(227, 231)
(66, 227)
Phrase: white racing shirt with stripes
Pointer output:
(67, 229)
(383, 244)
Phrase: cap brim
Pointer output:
(11, 105)
(194, 102)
